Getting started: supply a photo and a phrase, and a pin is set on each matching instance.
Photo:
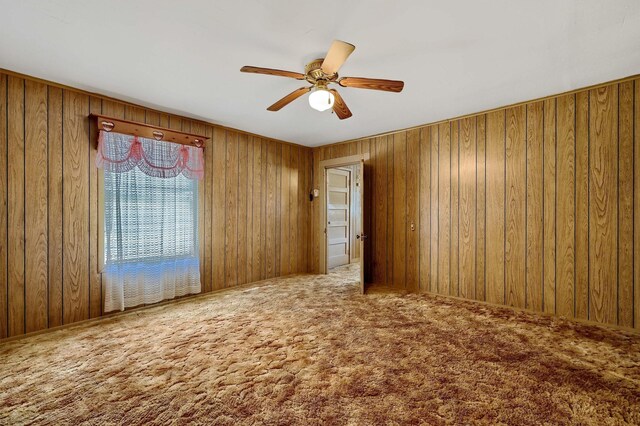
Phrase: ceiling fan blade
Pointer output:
(271, 71)
(289, 98)
(336, 56)
(372, 83)
(339, 107)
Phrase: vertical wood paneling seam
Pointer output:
(633, 211)
(62, 212)
(504, 206)
(450, 209)
(555, 207)
(457, 248)
(6, 100)
(575, 203)
(247, 217)
(618, 207)
(6, 171)
(428, 272)
(89, 209)
(419, 179)
(375, 205)
(224, 264)
(458, 214)
(429, 275)
(589, 204)
(393, 197)
(390, 211)
(237, 242)
(483, 241)
(406, 208)
(526, 202)
(253, 186)
(405, 176)
(526, 187)
(485, 206)
(438, 216)
(24, 203)
(275, 214)
(89, 213)
(544, 246)
(263, 177)
(48, 216)
(263, 217)
(475, 216)
(263, 143)
(278, 215)
(249, 233)
(275, 209)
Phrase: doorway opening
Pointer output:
(344, 219)
(342, 224)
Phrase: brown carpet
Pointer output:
(311, 350)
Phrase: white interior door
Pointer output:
(338, 208)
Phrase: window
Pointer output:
(149, 218)
(150, 221)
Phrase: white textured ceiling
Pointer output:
(456, 57)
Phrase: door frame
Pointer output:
(332, 164)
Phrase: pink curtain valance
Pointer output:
(118, 153)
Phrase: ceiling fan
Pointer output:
(322, 72)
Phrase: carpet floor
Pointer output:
(311, 350)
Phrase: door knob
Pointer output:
(363, 236)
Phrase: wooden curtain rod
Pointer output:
(143, 130)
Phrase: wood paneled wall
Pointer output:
(254, 204)
(535, 206)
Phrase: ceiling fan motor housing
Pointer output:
(313, 72)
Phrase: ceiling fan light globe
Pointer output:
(321, 100)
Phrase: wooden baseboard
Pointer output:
(530, 311)
(378, 288)
(370, 289)
(117, 315)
